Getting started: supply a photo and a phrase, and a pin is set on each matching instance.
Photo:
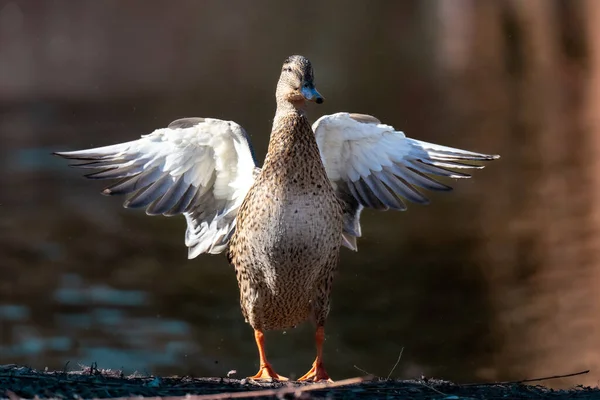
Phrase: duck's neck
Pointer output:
(291, 137)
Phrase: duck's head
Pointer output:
(296, 83)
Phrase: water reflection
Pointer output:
(103, 325)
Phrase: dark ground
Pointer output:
(22, 382)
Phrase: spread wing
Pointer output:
(201, 168)
(371, 164)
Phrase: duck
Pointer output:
(281, 225)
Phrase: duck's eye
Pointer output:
(306, 85)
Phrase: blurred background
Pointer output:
(496, 280)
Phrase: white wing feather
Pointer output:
(371, 164)
(201, 168)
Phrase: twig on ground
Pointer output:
(395, 365)
(66, 368)
(546, 378)
(279, 393)
(431, 388)
(363, 371)
(94, 369)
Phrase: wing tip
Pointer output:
(349, 241)
(97, 174)
(75, 155)
(69, 155)
(486, 157)
(192, 253)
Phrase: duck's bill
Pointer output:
(311, 94)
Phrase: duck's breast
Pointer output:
(295, 229)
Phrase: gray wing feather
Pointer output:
(372, 165)
(199, 167)
(389, 199)
(366, 196)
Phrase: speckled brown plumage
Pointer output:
(288, 233)
(289, 227)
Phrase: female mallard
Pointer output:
(283, 225)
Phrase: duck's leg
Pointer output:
(317, 372)
(265, 372)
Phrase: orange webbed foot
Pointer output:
(316, 374)
(266, 373)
